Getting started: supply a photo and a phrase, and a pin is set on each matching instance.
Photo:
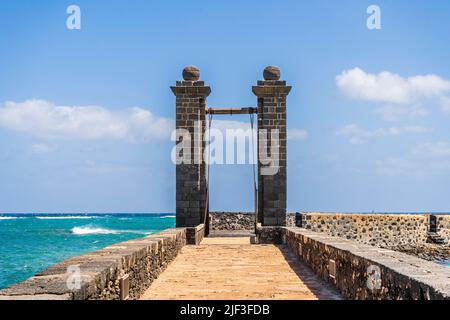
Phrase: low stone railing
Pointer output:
(362, 271)
(383, 230)
(195, 235)
(120, 271)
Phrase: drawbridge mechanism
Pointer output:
(231, 111)
(192, 178)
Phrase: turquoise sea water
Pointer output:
(31, 243)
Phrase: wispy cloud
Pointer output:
(397, 113)
(358, 135)
(424, 159)
(432, 150)
(46, 120)
(297, 134)
(445, 104)
(41, 148)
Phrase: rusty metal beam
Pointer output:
(231, 111)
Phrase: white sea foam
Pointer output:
(65, 217)
(8, 218)
(165, 217)
(96, 230)
(92, 230)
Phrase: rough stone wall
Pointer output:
(269, 235)
(365, 272)
(100, 272)
(195, 235)
(231, 221)
(272, 187)
(383, 230)
(443, 225)
(191, 177)
(291, 220)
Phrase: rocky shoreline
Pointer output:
(427, 251)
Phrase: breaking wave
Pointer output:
(91, 230)
(65, 217)
(94, 230)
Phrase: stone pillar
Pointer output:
(272, 184)
(191, 199)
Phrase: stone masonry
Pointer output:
(383, 230)
(443, 227)
(365, 272)
(191, 186)
(272, 186)
(140, 261)
(231, 221)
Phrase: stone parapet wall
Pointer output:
(365, 272)
(101, 275)
(384, 230)
(195, 235)
(231, 221)
(269, 235)
(291, 219)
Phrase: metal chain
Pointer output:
(208, 167)
(255, 188)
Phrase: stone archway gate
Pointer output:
(192, 199)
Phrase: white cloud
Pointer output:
(297, 134)
(45, 120)
(48, 121)
(40, 148)
(445, 105)
(390, 87)
(398, 113)
(432, 150)
(358, 135)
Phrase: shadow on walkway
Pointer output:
(318, 286)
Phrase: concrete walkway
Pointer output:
(231, 268)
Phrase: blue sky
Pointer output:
(84, 113)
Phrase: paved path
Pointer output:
(231, 268)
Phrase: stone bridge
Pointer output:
(266, 254)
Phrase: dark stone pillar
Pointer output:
(191, 97)
(272, 184)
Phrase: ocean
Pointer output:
(30, 243)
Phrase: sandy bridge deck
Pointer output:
(231, 268)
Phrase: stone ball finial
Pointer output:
(191, 73)
(272, 73)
